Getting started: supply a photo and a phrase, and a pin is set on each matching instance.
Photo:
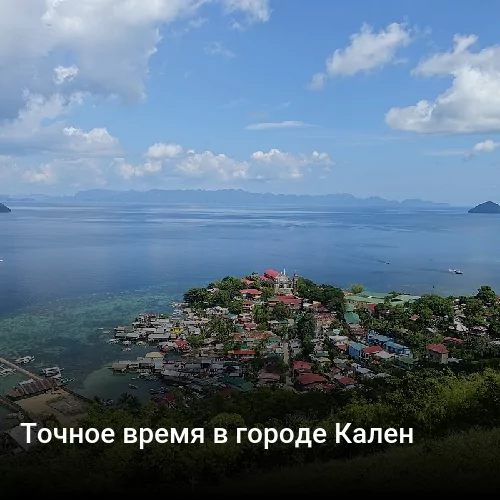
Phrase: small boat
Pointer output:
(132, 386)
(25, 360)
(51, 372)
(455, 271)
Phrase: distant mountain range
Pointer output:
(221, 197)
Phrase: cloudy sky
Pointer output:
(399, 99)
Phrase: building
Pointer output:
(437, 353)
(398, 349)
(368, 352)
(373, 338)
(283, 284)
(355, 349)
(306, 380)
(293, 303)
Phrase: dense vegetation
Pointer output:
(446, 407)
(436, 403)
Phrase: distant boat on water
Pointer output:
(455, 271)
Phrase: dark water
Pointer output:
(68, 271)
(52, 252)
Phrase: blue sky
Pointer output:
(398, 99)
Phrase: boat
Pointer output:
(132, 386)
(455, 271)
(51, 372)
(25, 360)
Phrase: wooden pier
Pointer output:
(20, 370)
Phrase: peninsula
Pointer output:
(488, 207)
(4, 209)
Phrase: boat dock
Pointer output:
(20, 370)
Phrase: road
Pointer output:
(286, 359)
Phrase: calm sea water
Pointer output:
(69, 270)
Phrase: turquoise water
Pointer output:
(68, 333)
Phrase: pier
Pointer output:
(20, 370)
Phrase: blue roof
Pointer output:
(381, 338)
(357, 346)
(396, 345)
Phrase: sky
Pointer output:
(398, 99)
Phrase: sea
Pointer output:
(68, 273)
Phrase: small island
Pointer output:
(4, 209)
(488, 207)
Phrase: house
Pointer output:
(373, 338)
(368, 352)
(306, 380)
(355, 349)
(302, 367)
(293, 303)
(437, 353)
(346, 382)
(398, 349)
(250, 293)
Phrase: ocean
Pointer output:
(68, 271)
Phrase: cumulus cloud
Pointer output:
(276, 125)
(470, 105)
(487, 146)
(106, 45)
(367, 51)
(29, 134)
(261, 166)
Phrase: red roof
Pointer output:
(371, 307)
(372, 349)
(301, 365)
(439, 348)
(247, 282)
(265, 278)
(248, 303)
(244, 352)
(286, 299)
(250, 291)
(271, 273)
(415, 317)
(342, 347)
(453, 339)
(346, 381)
(310, 378)
(250, 326)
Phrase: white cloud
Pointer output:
(218, 49)
(256, 10)
(261, 166)
(293, 166)
(78, 173)
(366, 52)
(470, 105)
(109, 42)
(63, 74)
(275, 125)
(162, 151)
(486, 146)
(29, 133)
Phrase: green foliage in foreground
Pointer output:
(464, 462)
(435, 403)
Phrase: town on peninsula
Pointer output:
(271, 333)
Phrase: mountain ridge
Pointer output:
(224, 196)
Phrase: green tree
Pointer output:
(280, 312)
(196, 296)
(355, 289)
(487, 296)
